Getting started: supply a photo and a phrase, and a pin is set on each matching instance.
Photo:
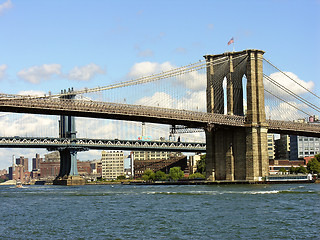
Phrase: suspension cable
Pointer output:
(292, 79)
(292, 93)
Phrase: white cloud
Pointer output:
(85, 73)
(288, 83)
(32, 93)
(148, 68)
(195, 101)
(3, 68)
(28, 125)
(158, 99)
(35, 74)
(283, 111)
(5, 5)
(193, 80)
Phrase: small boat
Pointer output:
(19, 185)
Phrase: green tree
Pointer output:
(197, 175)
(282, 170)
(317, 157)
(300, 169)
(160, 176)
(201, 164)
(292, 170)
(121, 177)
(148, 175)
(313, 166)
(176, 173)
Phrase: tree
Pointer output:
(300, 169)
(176, 173)
(197, 175)
(201, 164)
(292, 170)
(160, 176)
(121, 177)
(282, 170)
(317, 157)
(148, 175)
(313, 166)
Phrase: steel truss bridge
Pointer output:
(100, 144)
(95, 109)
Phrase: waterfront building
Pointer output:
(112, 164)
(276, 165)
(301, 147)
(3, 172)
(96, 167)
(162, 164)
(18, 173)
(271, 150)
(149, 155)
(193, 160)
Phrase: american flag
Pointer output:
(231, 41)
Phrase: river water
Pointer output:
(288, 211)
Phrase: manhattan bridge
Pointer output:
(224, 105)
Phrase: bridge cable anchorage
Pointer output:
(292, 79)
(306, 102)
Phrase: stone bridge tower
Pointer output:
(235, 153)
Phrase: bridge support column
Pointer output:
(237, 153)
(68, 174)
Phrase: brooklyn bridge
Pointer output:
(244, 100)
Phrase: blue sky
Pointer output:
(51, 45)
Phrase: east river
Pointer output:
(284, 211)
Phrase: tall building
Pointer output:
(23, 161)
(36, 162)
(301, 147)
(112, 164)
(282, 147)
(193, 160)
(271, 151)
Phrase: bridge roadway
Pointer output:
(105, 110)
(100, 144)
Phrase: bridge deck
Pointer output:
(93, 109)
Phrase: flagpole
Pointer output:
(233, 45)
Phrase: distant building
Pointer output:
(271, 150)
(3, 172)
(18, 173)
(301, 147)
(50, 166)
(282, 147)
(36, 162)
(23, 161)
(276, 165)
(112, 164)
(159, 161)
(96, 167)
(149, 155)
(193, 160)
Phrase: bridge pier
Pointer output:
(68, 174)
(236, 153)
